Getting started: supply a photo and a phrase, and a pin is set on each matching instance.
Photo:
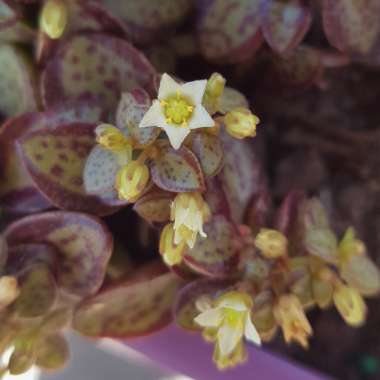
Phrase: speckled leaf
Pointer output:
(55, 159)
(231, 99)
(132, 107)
(300, 68)
(24, 256)
(185, 310)
(216, 198)
(217, 254)
(322, 242)
(134, 308)
(52, 352)
(352, 26)
(241, 175)
(145, 19)
(83, 241)
(95, 65)
(362, 274)
(285, 23)
(17, 191)
(17, 82)
(100, 171)
(37, 292)
(177, 170)
(209, 152)
(154, 206)
(229, 30)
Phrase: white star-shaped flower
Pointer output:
(178, 109)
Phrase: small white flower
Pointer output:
(178, 109)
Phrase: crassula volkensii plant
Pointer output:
(98, 119)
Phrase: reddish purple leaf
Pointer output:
(95, 65)
(285, 23)
(84, 242)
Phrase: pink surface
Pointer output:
(188, 354)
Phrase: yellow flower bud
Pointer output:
(131, 180)
(112, 138)
(290, 315)
(241, 123)
(350, 304)
(171, 253)
(350, 246)
(215, 85)
(9, 290)
(54, 17)
(271, 243)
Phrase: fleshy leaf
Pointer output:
(17, 82)
(185, 310)
(231, 99)
(285, 23)
(134, 308)
(352, 26)
(18, 193)
(22, 358)
(154, 206)
(55, 159)
(362, 274)
(322, 242)
(217, 254)
(52, 352)
(100, 171)
(38, 292)
(209, 152)
(241, 175)
(132, 107)
(95, 65)
(229, 30)
(83, 241)
(177, 170)
(144, 19)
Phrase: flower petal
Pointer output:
(175, 134)
(194, 90)
(210, 318)
(233, 303)
(201, 118)
(250, 331)
(228, 337)
(168, 87)
(154, 117)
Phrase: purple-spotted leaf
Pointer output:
(137, 307)
(132, 107)
(100, 171)
(38, 292)
(216, 198)
(154, 206)
(177, 170)
(300, 68)
(242, 174)
(17, 82)
(229, 30)
(209, 152)
(217, 254)
(352, 26)
(52, 352)
(24, 256)
(55, 159)
(17, 191)
(185, 309)
(145, 19)
(84, 243)
(285, 23)
(95, 65)
(231, 99)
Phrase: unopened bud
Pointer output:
(54, 17)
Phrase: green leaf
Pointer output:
(322, 242)
(177, 170)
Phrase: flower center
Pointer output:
(177, 110)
